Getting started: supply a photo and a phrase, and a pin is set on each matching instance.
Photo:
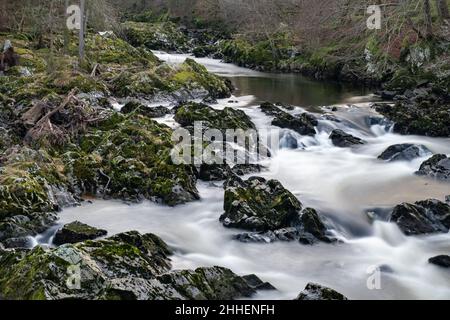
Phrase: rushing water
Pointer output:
(344, 184)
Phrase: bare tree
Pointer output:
(442, 7)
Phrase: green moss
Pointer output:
(155, 36)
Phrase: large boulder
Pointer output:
(128, 266)
(404, 152)
(228, 118)
(342, 139)
(303, 124)
(266, 207)
(315, 291)
(423, 217)
(429, 118)
(437, 167)
(77, 232)
(129, 157)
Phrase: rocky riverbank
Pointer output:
(64, 141)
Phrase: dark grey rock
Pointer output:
(257, 284)
(77, 232)
(437, 167)
(404, 152)
(18, 243)
(344, 140)
(303, 124)
(441, 261)
(315, 291)
(270, 212)
(423, 217)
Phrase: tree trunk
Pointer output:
(81, 37)
(66, 30)
(428, 20)
(442, 7)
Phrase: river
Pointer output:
(344, 184)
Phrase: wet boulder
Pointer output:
(315, 291)
(214, 172)
(151, 112)
(21, 226)
(441, 261)
(77, 232)
(128, 266)
(303, 124)
(404, 152)
(244, 169)
(214, 283)
(267, 209)
(257, 283)
(129, 158)
(437, 167)
(426, 117)
(220, 172)
(423, 217)
(342, 139)
(228, 118)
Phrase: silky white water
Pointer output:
(342, 183)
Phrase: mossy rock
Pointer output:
(155, 36)
(192, 74)
(128, 157)
(270, 211)
(25, 182)
(109, 49)
(228, 118)
(77, 232)
(125, 266)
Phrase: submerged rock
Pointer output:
(128, 266)
(437, 167)
(77, 232)
(315, 291)
(344, 140)
(441, 261)
(303, 124)
(267, 208)
(288, 141)
(423, 217)
(404, 152)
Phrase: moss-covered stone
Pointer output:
(192, 74)
(25, 182)
(267, 207)
(126, 266)
(77, 232)
(228, 118)
(129, 157)
(155, 36)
